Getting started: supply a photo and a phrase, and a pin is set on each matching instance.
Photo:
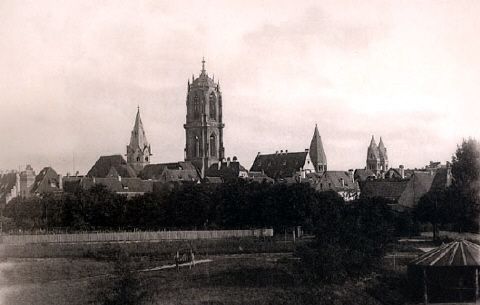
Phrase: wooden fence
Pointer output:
(131, 236)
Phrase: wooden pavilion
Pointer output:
(447, 274)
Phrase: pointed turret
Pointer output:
(138, 151)
(317, 153)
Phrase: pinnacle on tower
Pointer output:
(203, 65)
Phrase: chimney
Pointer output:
(343, 182)
(307, 150)
(276, 152)
(228, 162)
(281, 151)
(351, 175)
(286, 151)
(60, 182)
(402, 171)
(258, 154)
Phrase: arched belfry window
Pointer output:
(196, 106)
(213, 106)
(213, 145)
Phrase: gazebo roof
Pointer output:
(457, 253)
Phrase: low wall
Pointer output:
(455, 235)
(131, 236)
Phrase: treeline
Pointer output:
(456, 208)
(232, 205)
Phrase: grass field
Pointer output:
(241, 272)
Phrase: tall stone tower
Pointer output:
(382, 150)
(317, 153)
(138, 151)
(373, 157)
(204, 126)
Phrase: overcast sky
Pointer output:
(73, 72)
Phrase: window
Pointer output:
(213, 145)
(138, 159)
(212, 106)
(196, 106)
(146, 159)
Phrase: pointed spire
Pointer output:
(373, 151)
(203, 65)
(382, 150)
(138, 138)
(317, 153)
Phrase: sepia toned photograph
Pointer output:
(270, 152)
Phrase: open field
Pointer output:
(241, 271)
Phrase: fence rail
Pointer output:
(131, 236)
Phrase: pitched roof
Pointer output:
(225, 170)
(317, 153)
(123, 185)
(383, 188)
(373, 152)
(46, 181)
(138, 138)
(363, 174)
(337, 181)
(155, 171)
(418, 184)
(103, 167)
(180, 175)
(280, 165)
(7, 182)
(382, 150)
(457, 253)
(441, 179)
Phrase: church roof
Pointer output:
(382, 150)
(226, 170)
(280, 165)
(138, 138)
(203, 80)
(317, 153)
(103, 167)
(373, 151)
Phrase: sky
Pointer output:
(72, 74)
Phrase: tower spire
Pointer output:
(317, 153)
(203, 65)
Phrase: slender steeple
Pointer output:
(317, 153)
(138, 151)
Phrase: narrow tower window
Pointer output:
(197, 147)
(212, 106)
(213, 146)
(196, 107)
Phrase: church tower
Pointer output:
(204, 126)
(383, 156)
(373, 157)
(138, 151)
(317, 153)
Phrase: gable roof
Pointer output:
(225, 170)
(155, 171)
(280, 165)
(7, 182)
(103, 167)
(336, 180)
(46, 181)
(180, 175)
(418, 184)
(123, 185)
(383, 188)
(363, 174)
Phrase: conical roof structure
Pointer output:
(317, 153)
(373, 152)
(457, 253)
(138, 138)
(382, 150)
